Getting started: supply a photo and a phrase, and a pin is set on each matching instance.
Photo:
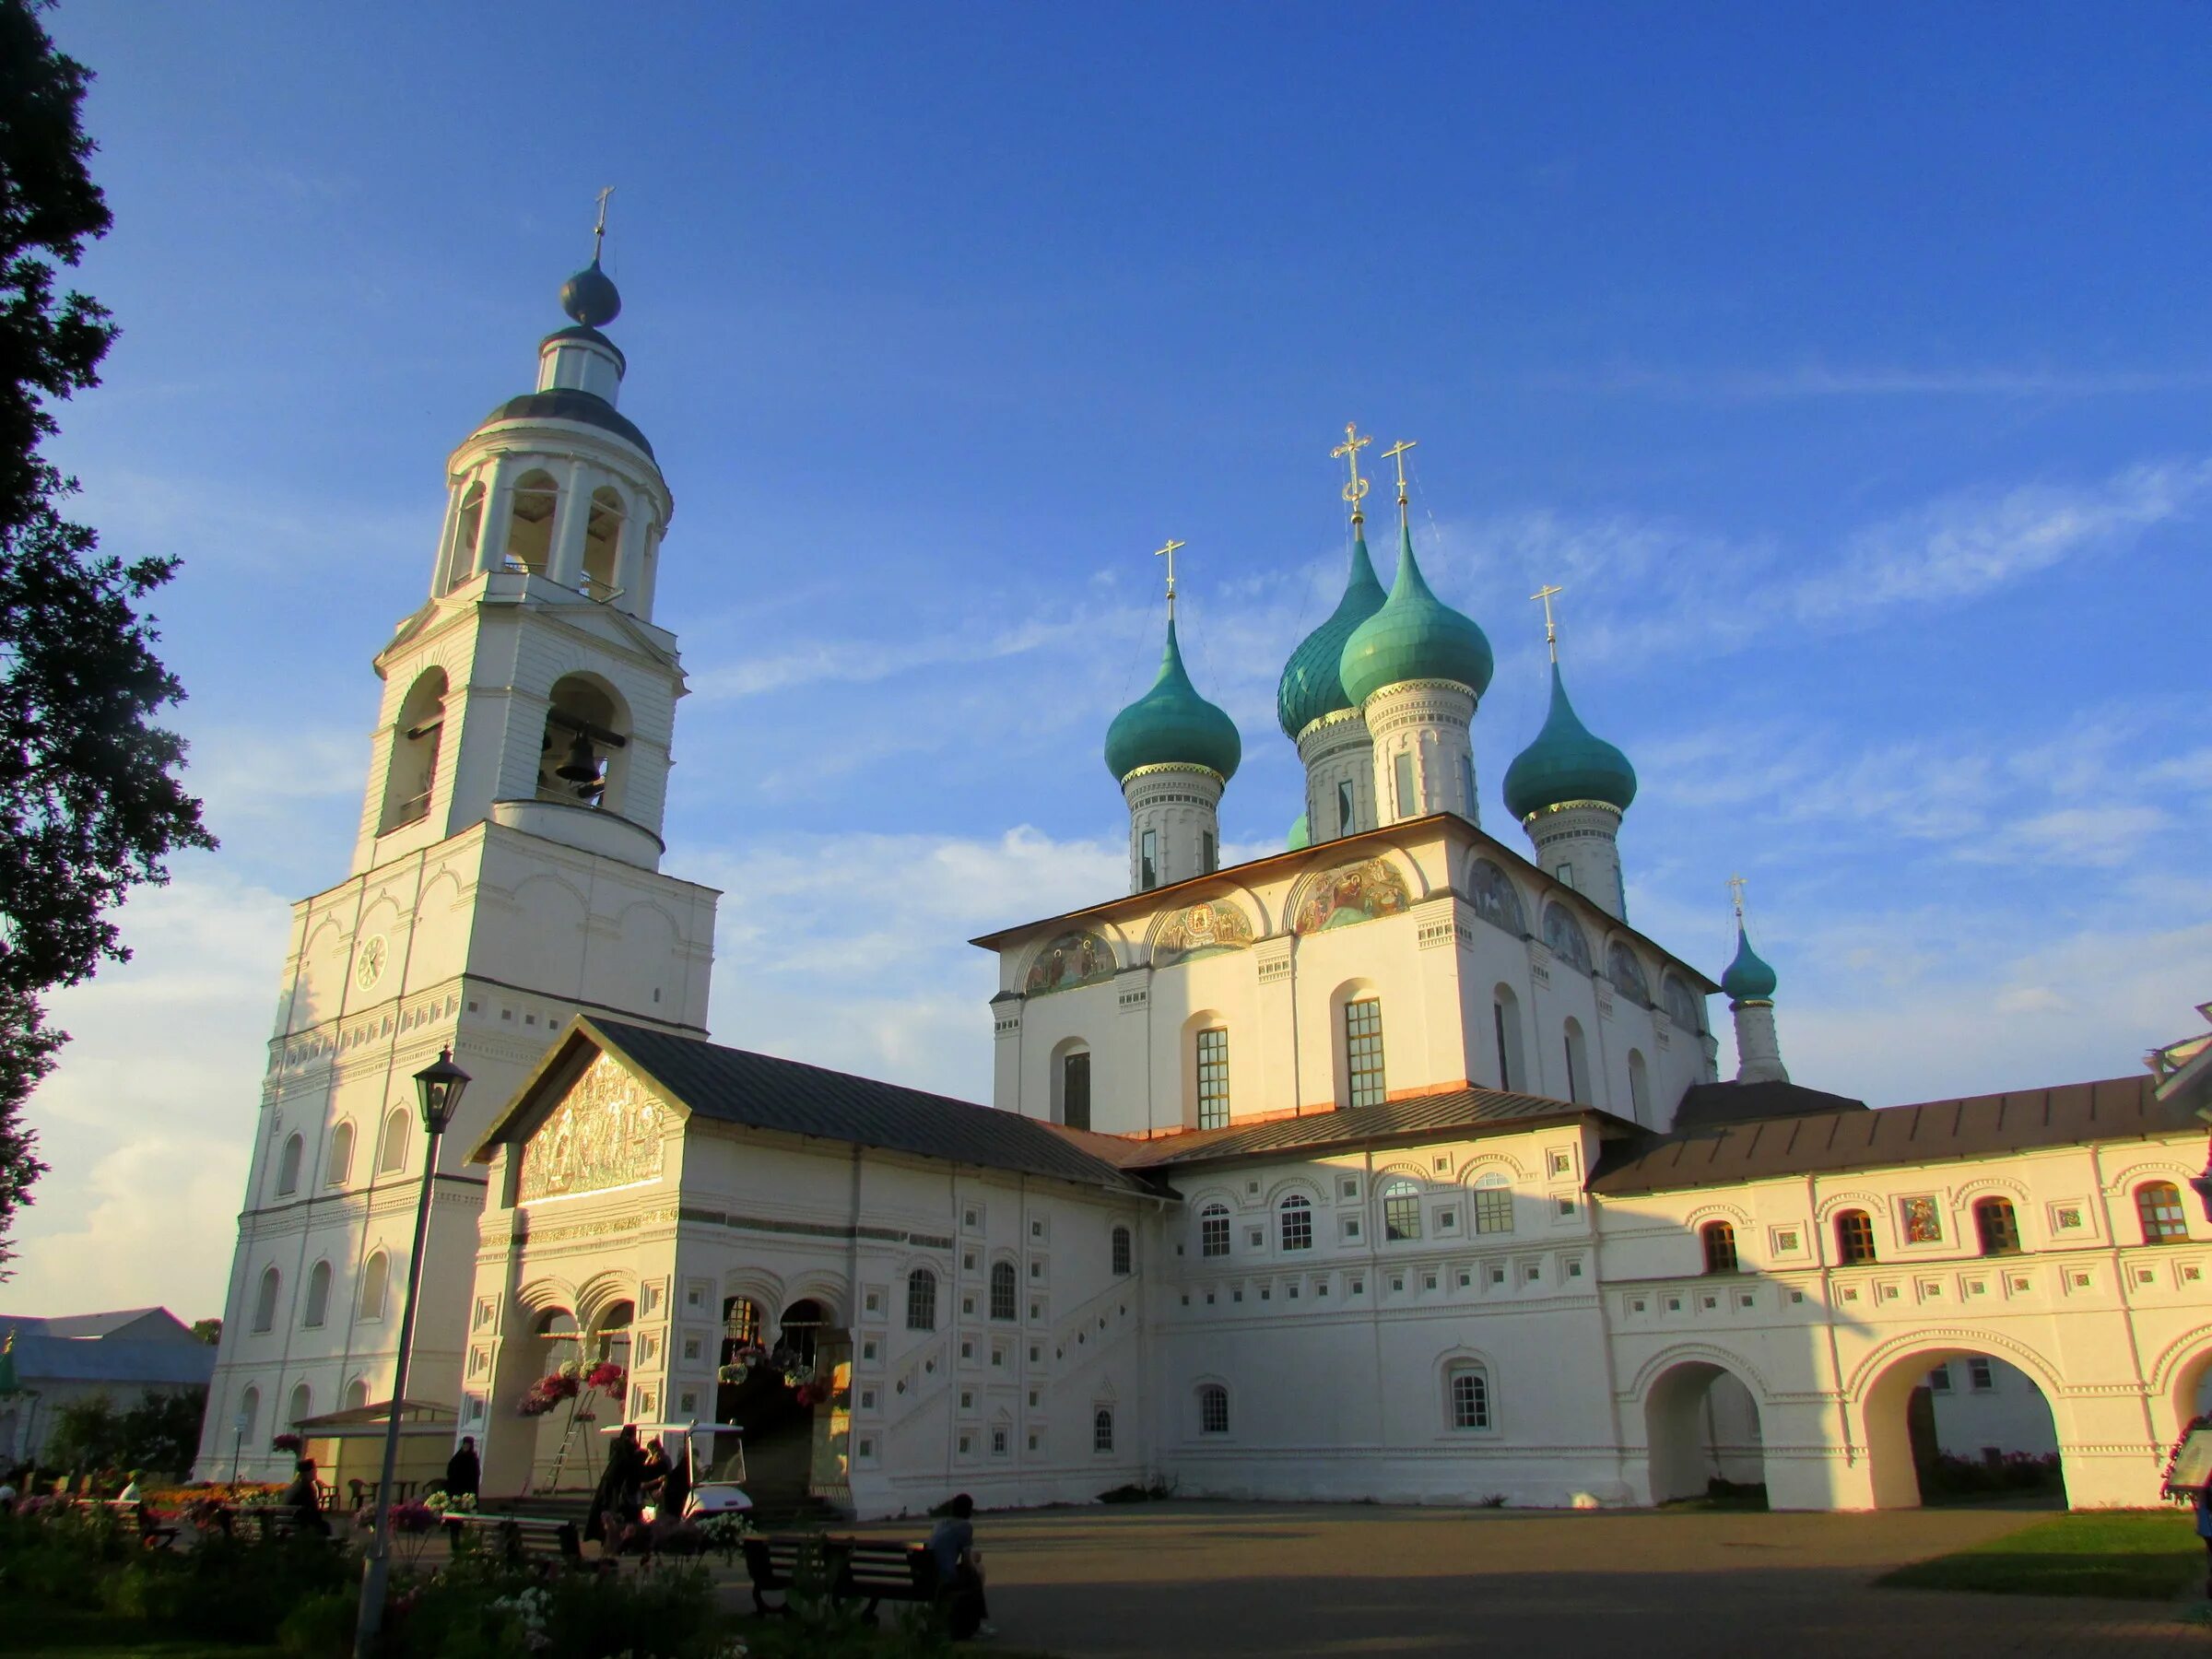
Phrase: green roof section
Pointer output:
(1415, 636)
(1748, 979)
(1300, 838)
(1172, 725)
(1312, 682)
(1567, 763)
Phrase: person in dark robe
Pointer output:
(304, 1498)
(464, 1473)
(960, 1571)
(653, 1471)
(614, 1502)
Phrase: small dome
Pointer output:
(1415, 636)
(565, 403)
(1300, 838)
(1567, 763)
(591, 297)
(1312, 683)
(1173, 724)
(1748, 979)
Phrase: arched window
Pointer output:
(1213, 1230)
(1495, 898)
(1295, 1218)
(411, 771)
(1213, 1409)
(1998, 1227)
(1855, 1237)
(357, 1394)
(249, 1414)
(1493, 1203)
(1401, 1211)
(1720, 1246)
(304, 1406)
(1005, 1290)
(1470, 1396)
(1681, 1003)
(579, 762)
(376, 1274)
(1075, 1089)
(601, 542)
(1121, 1249)
(1505, 1025)
(393, 1156)
(1213, 1077)
(2159, 1206)
(1578, 1062)
(340, 1166)
(530, 531)
(317, 1307)
(1640, 1088)
(921, 1300)
(1101, 1430)
(287, 1165)
(468, 526)
(741, 1322)
(265, 1302)
(1363, 1052)
(1565, 938)
(1627, 973)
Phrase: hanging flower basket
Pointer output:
(798, 1376)
(811, 1393)
(609, 1378)
(548, 1392)
(286, 1442)
(733, 1374)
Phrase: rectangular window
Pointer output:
(1148, 861)
(1363, 1052)
(1207, 855)
(1505, 1067)
(1344, 809)
(1213, 1079)
(1494, 1210)
(1074, 1090)
(1212, 1232)
(1101, 1430)
(1979, 1375)
(1467, 794)
(1404, 765)
(1298, 1225)
(1939, 1380)
(1470, 1400)
(1213, 1409)
(1566, 876)
(1573, 1090)
(998, 1442)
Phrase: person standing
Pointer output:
(959, 1578)
(615, 1502)
(462, 1472)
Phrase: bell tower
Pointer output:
(505, 876)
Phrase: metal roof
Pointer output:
(40, 1359)
(1416, 1117)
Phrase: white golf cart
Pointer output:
(713, 1459)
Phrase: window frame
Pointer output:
(1996, 1225)
(1366, 1080)
(1069, 1071)
(921, 1299)
(1005, 1292)
(1854, 1234)
(1101, 1430)
(2159, 1212)
(1211, 1216)
(1210, 1062)
(1473, 1410)
(1294, 1222)
(1122, 1248)
(1213, 1408)
(1490, 1204)
(1401, 1199)
(1719, 1239)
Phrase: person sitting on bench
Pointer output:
(305, 1500)
(962, 1580)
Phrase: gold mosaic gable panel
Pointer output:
(606, 1133)
(1201, 929)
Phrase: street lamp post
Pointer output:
(439, 1087)
(239, 1426)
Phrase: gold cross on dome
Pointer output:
(1348, 453)
(1735, 891)
(1551, 632)
(1168, 553)
(599, 229)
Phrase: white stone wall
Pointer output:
(1427, 723)
(1177, 806)
(1577, 845)
(1337, 751)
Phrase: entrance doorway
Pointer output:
(1701, 1425)
(1960, 1425)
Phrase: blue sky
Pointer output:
(1851, 367)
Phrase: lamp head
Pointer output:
(440, 1085)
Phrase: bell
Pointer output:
(581, 766)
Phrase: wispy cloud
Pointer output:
(1820, 380)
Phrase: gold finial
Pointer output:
(1396, 454)
(1168, 553)
(1348, 452)
(599, 229)
(1735, 891)
(1551, 631)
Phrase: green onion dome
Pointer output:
(1300, 838)
(1748, 979)
(1415, 636)
(591, 297)
(1171, 724)
(1312, 683)
(1567, 763)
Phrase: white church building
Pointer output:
(1395, 1165)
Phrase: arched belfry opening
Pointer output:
(411, 777)
(530, 522)
(468, 529)
(602, 542)
(587, 735)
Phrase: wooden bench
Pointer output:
(152, 1534)
(772, 1564)
(269, 1523)
(528, 1540)
(882, 1569)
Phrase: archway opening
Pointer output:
(561, 1458)
(1956, 1425)
(1701, 1425)
(579, 760)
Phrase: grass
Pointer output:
(2127, 1556)
(39, 1630)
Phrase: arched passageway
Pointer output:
(1701, 1424)
(1950, 1424)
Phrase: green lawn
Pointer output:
(37, 1630)
(2128, 1555)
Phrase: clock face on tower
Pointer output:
(369, 960)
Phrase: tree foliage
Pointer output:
(158, 1435)
(89, 801)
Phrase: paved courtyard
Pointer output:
(1270, 1579)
